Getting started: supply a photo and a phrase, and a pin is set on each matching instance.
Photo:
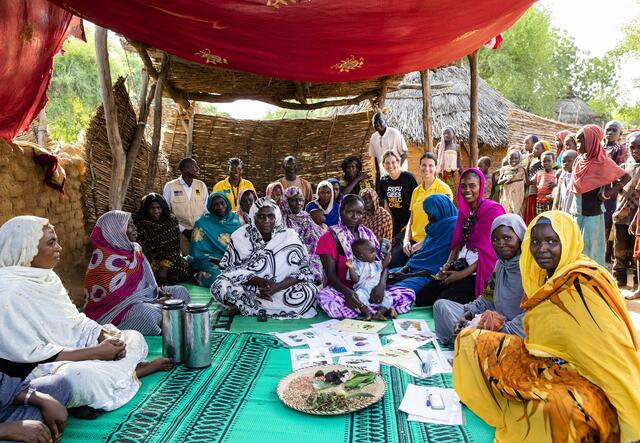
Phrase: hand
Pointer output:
(349, 264)
(460, 325)
(407, 248)
(351, 300)
(55, 415)
(386, 261)
(162, 276)
(267, 290)
(377, 293)
(451, 277)
(161, 300)
(491, 321)
(256, 281)
(632, 229)
(30, 431)
(604, 196)
(111, 349)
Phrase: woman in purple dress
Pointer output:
(337, 298)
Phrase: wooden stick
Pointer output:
(116, 191)
(473, 124)
(42, 129)
(426, 111)
(157, 125)
(138, 135)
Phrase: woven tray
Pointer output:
(377, 389)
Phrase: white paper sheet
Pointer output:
(303, 358)
(360, 327)
(411, 340)
(409, 326)
(336, 345)
(363, 342)
(299, 337)
(414, 403)
(363, 362)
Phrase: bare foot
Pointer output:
(155, 365)
(379, 316)
(393, 313)
(85, 412)
(634, 296)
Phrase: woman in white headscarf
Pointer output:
(266, 267)
(43, 333)
(327, 201)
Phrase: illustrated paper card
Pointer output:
(325, 324)
(412, 340)
(336, 345)
(303, 358)
(364, 362)
(409, 326)
(299, 337)
(393, 354)
(363, 342)
(362, 327)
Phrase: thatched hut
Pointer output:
(500, 125)
(574, 111)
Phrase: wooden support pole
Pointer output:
(473, 124)
(187, 121)
(426, 111)
(157, 125)
(118, 157)
(143, 114)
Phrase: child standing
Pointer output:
(511, 180)
(545, 182)
(533, 166)
(484, 164)
(625, 213)
(564, 198)
(365, 272)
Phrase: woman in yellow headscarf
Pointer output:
(575, 377)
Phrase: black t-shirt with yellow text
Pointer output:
(397, 194)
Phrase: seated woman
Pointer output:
(472, 258)
(246, 198)
(266, 268)
(427, 261)
(296, 218)
(502, 294)
(275, 191)
(353, 181)
(210, 238)
(575, 376)
(376, 218)
(338, 298)
(325, 200)
(119, 285)
(159, 236)
(337, 191)
(44, 334)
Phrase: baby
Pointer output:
(318, 217)
(365, 273)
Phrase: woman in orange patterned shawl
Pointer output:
(576, 374)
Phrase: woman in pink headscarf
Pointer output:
(596, 178)
(472, 259)
(560, 137)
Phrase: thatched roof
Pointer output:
(521, 124)
(450, 104)
(194, 81)
(319, 144)
(574, 111)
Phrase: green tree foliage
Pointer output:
(281, 113)
(537, 64)
(74, 93)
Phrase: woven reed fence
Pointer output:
(320, 145)
(521, 124)
(98, 160)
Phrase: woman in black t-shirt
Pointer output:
(396, 188)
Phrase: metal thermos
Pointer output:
(196, 335)
(173, 330)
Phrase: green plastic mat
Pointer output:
(235, 401)
(198, 293)
(251, 324)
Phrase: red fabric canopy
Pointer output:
(32, 31)
(309, 40)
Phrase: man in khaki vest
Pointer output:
(187, 199)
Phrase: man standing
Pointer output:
(234, 184)
(386, 139)
(290, 166)
(187, 198)
(616, 152)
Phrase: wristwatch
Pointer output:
(30, 390)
